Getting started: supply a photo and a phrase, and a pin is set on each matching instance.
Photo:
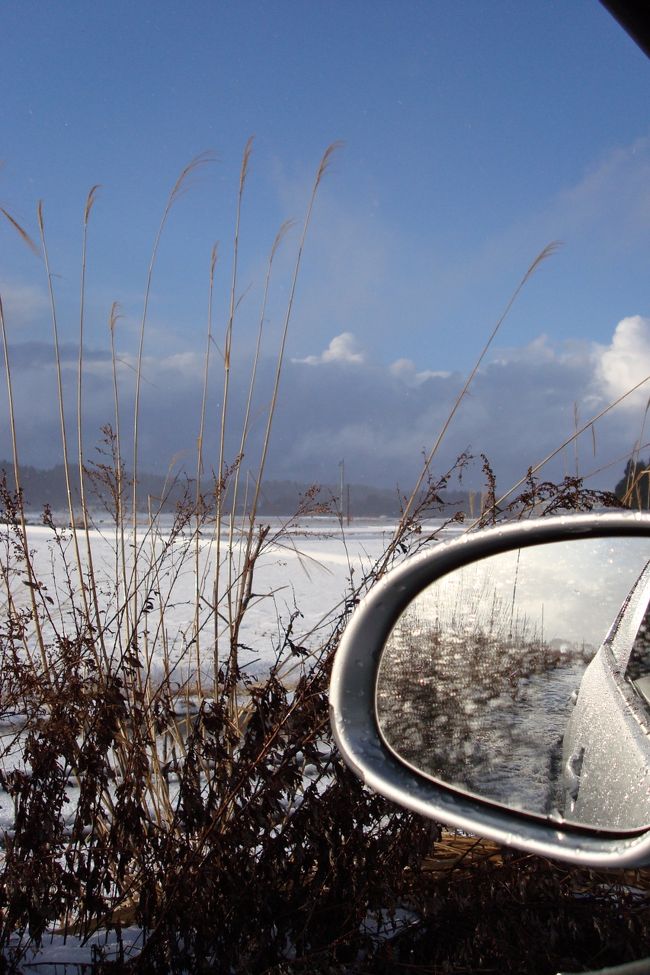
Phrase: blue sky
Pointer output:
(474, 133)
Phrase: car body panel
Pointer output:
(607, 738)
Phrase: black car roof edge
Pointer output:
(634, 17)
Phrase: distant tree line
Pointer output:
(48, 487)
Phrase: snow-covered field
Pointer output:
(310, 566)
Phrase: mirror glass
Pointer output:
(524, 679)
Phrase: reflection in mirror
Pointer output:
(524, 679)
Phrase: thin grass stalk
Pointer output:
(82, 305)
(224, 415)
(199, 464)
(27, 240)
(322, 169)
(82, 485)
(637, 446)
(64, 438)
(246, 561)
(547, 252)
(246, 423)
(176, 191)
(21, 510)
(157, 785)
(120, 526)
(143, 647)
(22, 233)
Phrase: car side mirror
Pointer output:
(500, 683)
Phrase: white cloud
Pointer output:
(625, 361)
(406, 370)
(342, 348)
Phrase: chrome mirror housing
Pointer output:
(500, 684)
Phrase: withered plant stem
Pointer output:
(21, 511)
(64, 439)
(175, 193)
(221, 469)
(120, 513)
(98, 628)
(199, 515)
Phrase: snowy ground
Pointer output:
(309, 569)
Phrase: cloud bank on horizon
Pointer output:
(340, 403)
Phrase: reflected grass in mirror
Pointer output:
(511, 680)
